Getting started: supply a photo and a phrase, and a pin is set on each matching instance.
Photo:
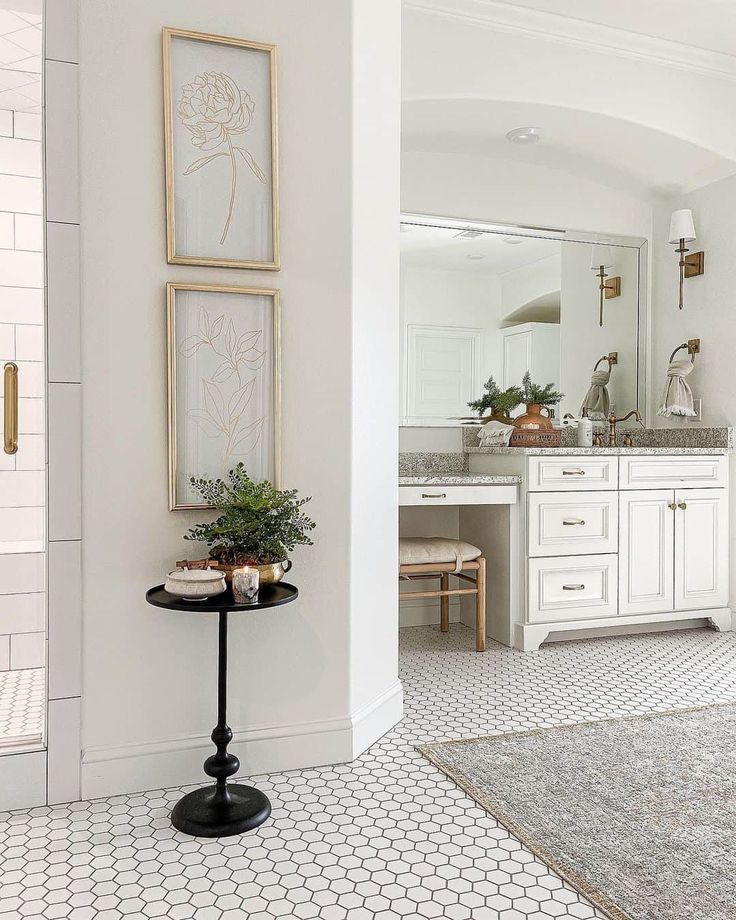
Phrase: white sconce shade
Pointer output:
(682, 226)
(601, 255)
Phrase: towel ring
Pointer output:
(611, 357)
(693, 348)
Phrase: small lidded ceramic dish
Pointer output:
(195, 584)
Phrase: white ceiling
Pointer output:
(440, 248)
(607, 150)
(708, 24)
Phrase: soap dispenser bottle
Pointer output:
(585, 430)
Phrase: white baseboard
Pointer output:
(118, 769)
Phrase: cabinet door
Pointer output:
(701, 549)
(646, 549)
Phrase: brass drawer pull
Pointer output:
(10, 413)
(682, 505)
(573, 522)
(435, 495)
(672, 506)
(573, 472)
(573, 587)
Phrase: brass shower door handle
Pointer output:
(10, 407)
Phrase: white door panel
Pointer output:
(701, 549)
(646, 548)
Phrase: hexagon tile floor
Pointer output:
(385, 837)
(22, 695)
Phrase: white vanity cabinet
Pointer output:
(609, 540)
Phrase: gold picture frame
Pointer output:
(195, 78)
(221, 394)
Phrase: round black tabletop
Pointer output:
(268, 596)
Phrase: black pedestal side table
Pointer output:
(225, 808)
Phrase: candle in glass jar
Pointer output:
(245, 585)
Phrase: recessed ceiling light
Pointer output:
(524, 136)
(468, 234)
(475, 256)
(513, 240)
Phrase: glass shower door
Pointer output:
(22, 358)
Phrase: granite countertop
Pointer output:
(463, 479)
(612, 451)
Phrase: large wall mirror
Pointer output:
(481, 300)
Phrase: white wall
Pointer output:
(521, 286)
(297, 686)
(468, 299)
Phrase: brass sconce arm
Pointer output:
(690, 266)
(608, 289)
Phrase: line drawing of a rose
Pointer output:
(214, 110)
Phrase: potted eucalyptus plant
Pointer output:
(536, 399)
(500, 403)
(258, 525)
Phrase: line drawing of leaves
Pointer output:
(253, 359)
(223, 373)
(202, 161)
(214, 404)
(191, 345)
(205, 422)
(239, 400)
(249, 437)
(256, 169)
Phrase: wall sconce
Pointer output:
(601, 258)
(682, 230)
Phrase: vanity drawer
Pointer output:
(573, 589)
(573, 474)
(693, 471)
(573, 523)
(458, 495)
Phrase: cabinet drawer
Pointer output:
(573, 589)
(564, 524)
(676, 472)
(572, 474)
(458, 495)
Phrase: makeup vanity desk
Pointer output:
(582, 541)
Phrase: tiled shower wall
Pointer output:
(22, 476)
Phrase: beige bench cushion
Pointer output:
(429, 550)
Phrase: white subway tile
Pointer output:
(31, 379)
(22, 573)
(7, 229)
(65, 461)
(29, 343)
(62, 157)
(22, 525)
(22, 613)
(65, 751)
(65, 618)
(64, 333)
(21, 305)
(22, 489)
(31, 416)
(21, 194)
(4, 653)
(31, 452)
(27, 650)
(19, 157)
(27, 125)
(28, 232)
(7, 342)
(60, 30)
(21, 269)
(6, 123)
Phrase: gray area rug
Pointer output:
(638, 814)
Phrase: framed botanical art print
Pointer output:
(221, 151)
(224, 385)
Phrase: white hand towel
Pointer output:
(677, 398)
(495, 434)
(596, 399)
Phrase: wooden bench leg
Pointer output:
(444, 604)
(480, 608)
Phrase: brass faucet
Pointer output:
(612, 422)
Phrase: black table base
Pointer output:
(225, 808)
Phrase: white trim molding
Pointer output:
(508, 17)
(120, 769)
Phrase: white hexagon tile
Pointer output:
(385, 837)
